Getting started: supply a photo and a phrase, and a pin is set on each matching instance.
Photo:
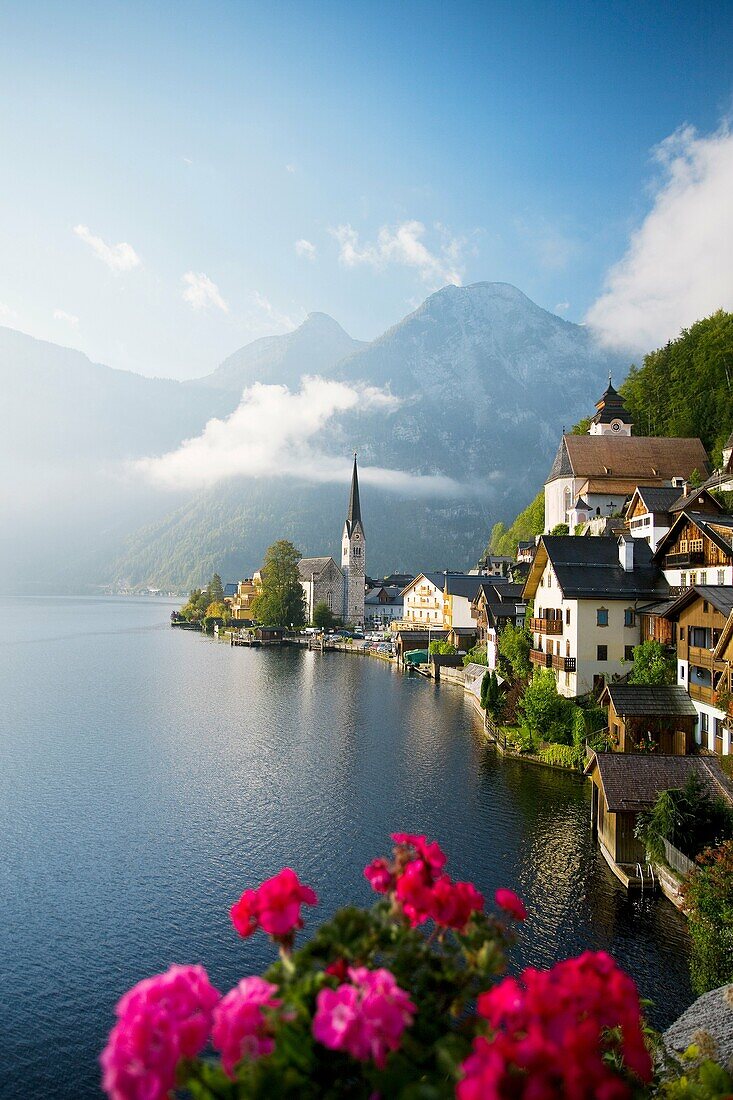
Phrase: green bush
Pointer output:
(708, 893)
(561, 756)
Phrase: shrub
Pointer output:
(708, 892)
(548, 714)
(562, 756)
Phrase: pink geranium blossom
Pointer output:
(452, 904)
(429, 851)
(380, 876)
(364, 1017)
(511, 903)
(159, 1021)
(242, 1028)
(274, 906)
(550, 1033)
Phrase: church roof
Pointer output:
(650, 458)
(353, 515)
(610, 407)
(309, 567)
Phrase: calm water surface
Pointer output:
(147, 775)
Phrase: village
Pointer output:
(604, 646)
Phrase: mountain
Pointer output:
(315, 347)
(485, 378)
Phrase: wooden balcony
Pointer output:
(546, 626)
(703, 658)
(702, 693)
(538, 657)
(684, 561)
(564, 664)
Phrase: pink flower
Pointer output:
(159, 1021)
(366, 1017)
(430, 852)
(452, 904)
(551, 1033)
(279, 900)
(511, 903)
(380, 876)
(242, 1028)
(274, 906)
(414, 890)
(244, 913)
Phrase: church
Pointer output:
(596, 473)
(341, 588)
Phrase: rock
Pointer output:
(711, 1013)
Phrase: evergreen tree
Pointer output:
(281, 601)
(215, 590)
(323, 617)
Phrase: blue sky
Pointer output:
(402, 144)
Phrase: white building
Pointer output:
(322, 582)
(423, 601)
(586, 593)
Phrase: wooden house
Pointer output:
(650, 719)
(697, 549)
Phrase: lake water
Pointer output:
(147, 775)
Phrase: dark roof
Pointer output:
(631, 782)
(639, 700)
(230, 589)
(658, 498)
(610, 407)
(720, 596)
(308, 567)
(706, 524)
(648, 458)
(590, 567)
(687, 501)
(462, 584)
(354, 513)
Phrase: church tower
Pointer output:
(611, 418)
(353, 550)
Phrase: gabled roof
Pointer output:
(632, 783)
(720, 596)
(697, 500)
(645, 700)
(649, 458)
(462, 584)
(656, 498)
(308, 567)
(610, 407)
(706, 524)
(590, 568)
(437, 579)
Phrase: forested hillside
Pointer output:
(683, 389)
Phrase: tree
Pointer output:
(281, 601)
(652, 665)
(560, 529)
(492, 696)
(549, 715)
(515, 643)
(215, 590)
(441, 649)
(195, 607)
(323, 616)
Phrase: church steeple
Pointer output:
(611, 418)
(354, 513)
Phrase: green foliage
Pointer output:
(560, 756)
(195, 607)
(696, 1077)
(582, 427)
(323, 617)
(476, 656)
(548, 715)
(214, 590)
(281, 601)
(652, 665)
(485, 681)
(528, 523)
(515, 643)
(560, 529)
(708, 893)
(686, 387)
(492, 698)
(441, 649)
(688, 818)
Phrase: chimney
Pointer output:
(626, 553)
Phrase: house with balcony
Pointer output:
(652, 510)
(493, 607)
(240, 602)
(422, 601)
(699, 617)
(587, 593)
(697, 549)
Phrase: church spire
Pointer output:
(354, 513)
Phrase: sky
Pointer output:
(180, 179)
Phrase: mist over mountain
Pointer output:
(485, 377)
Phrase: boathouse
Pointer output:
(650, 718)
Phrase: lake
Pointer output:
(147, 775)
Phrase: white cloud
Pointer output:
(678, 266)
(403, 244)
(117, 257)
(305, 248)
(268, 316)
(187, 160)
(200, 292)
(290, 168)
(562, 307)
(274, 433)
(62, 315)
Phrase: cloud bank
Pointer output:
(117, 257)
(273, 433)
(200, 292)
(403, 244)
(679, 263)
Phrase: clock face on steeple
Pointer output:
(616, 425)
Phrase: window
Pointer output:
(329, 601)
(704, 579)
(721, 576)
(703, 721)
(628, 653)
(682, 674)
(628, 616)
(693, 579)
(683, 580)
(567, 616)
(602, 653)
(704, 602)
(695, 546)
(602, 617)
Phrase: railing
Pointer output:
(698, 655)
(546, 626)
(677, 860)
(564, 664)
(702, 692)
(682, 561)
(538, 657)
